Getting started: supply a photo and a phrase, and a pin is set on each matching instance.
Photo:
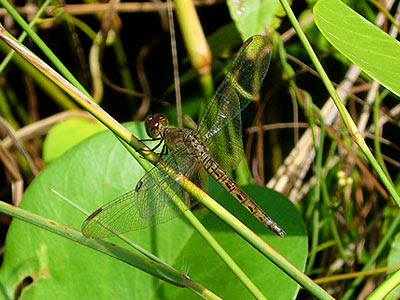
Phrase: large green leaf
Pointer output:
(100, 169)
(367, 46)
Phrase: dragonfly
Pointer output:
(215, 146)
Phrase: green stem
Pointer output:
(24, 34)
(378, 251)
(318, 175)
(351, 126)
(385, 12)
(386, 287)
(196, 45)
(6, 111)
(314, 241)
(319, 152)
(61, 100)
(81, 25)
(122, 61)
(377, 144)
(160, 271)
(41, 80)
(81, 98)
(120, 236)
(332, 220)
(42, 45)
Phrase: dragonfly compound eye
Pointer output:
(148, 121)
(162, 119)
(152, 126)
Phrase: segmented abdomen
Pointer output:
(229, 185)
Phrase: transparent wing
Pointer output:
(221, 125)
(149, 204)
(155, 189)
(200, 179)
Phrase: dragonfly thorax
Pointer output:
(154, 124)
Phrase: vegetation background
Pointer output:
(341, 217)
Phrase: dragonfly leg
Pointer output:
(158, 145)
(149, 140)
(164, 152)
(152, 140)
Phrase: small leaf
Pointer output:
(367, 46)
(253, 17)
(66, 134)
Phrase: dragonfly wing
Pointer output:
(200, 179)
(119, 215)
(226, 146)
(156, 188)
(221, 124)
(148, 205)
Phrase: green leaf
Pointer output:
(211, 272)
(255, 17)
(100, 169)
(367, 46)
(66, 134)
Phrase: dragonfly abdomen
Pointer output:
(231, 187)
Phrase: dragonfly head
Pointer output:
(154, 124)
